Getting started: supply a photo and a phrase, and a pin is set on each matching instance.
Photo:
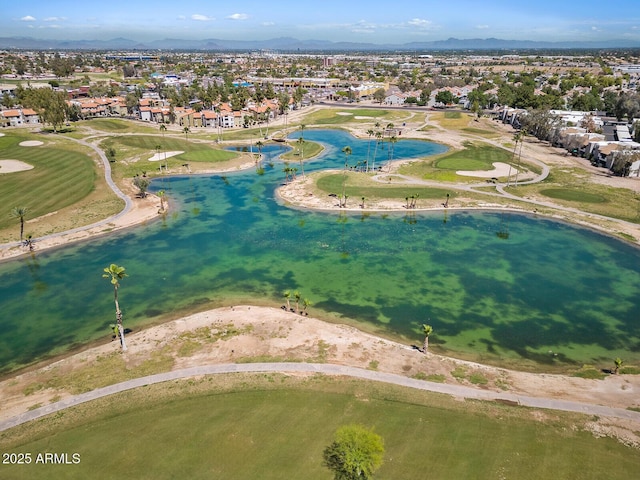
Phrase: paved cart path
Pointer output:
(327, 369)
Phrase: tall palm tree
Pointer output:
(392, 141)
(116, 273)
(20, 213)
(161, 195)
(186, 132)
(427, 330)
(375, 150)
(519, 137)
(260, 145)
(371, 133)
(302, 127)
(301, 147)
(347, 152)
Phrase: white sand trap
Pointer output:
(11, 166)
(344, 113)
(31, 143)
(360, 117)
(499, 170)
(161, 156)
(1, 134)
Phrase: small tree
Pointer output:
(618, 363)
(20, 213)
(142, 184)
(116, 273)
(427, 330)
(355, 454)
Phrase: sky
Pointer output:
(370, 21)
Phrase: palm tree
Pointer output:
(347, 152)
(371, 133)
(158, 147)
(375, 150)
(618, 362)
(305, 304)
(116, 273)
(161, 196)
(297, 296)
(186, 132)
(519, 137)
(427, 330)
(301, 147)
(287, 295)
(20, 213)
(392, 141)
(259, 144)
(302, 127)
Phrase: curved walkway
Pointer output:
(128, 203)
(327, 369)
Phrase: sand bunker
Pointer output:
(499, 170)
(360, 117)
(344, 113)
(11, 166)
(31, 143)
(161, 156)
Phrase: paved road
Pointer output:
(327, 369)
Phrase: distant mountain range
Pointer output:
(293, 44)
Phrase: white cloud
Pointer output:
(181, 17)
(482, 27)
(363, 30)
(238, 16)
(55, 19)
(201, 18)
(268, 24)
(28, 18)
(420, 22)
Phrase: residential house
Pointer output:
(19, 117)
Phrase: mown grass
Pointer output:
(571, 187)
(475, 156)
(116, 125)
(132, 153)
(571, 195)
(451, 120)
(272, 426)
(330, 116)
(359, 185)
(309, 150)
(63, 175)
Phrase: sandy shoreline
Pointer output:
(245, 332)
(143, 210)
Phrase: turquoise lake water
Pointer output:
(548, 294)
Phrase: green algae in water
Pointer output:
(547, 292)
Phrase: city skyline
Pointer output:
(373, 21)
